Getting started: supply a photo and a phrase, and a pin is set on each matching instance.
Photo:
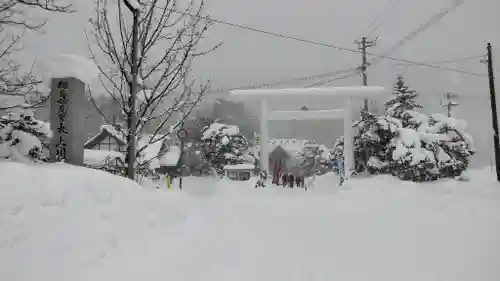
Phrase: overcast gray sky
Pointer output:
(247, 57)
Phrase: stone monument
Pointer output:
(67, 99)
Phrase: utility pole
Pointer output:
(449, 102)
(494, 116)
(362, 46)
(131, 116)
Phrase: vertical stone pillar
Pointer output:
(264, 136)
(348, 138)
(67, 102)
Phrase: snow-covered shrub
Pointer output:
(313, 159)
(456, 147)
(21, 137)
(410, 159)
(224, 145)
(431, 147)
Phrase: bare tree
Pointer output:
(167, 43)
(15, 20)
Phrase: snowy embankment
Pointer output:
(67, 223)
(60, 222)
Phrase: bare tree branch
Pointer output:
(15, 20)
(168, 45)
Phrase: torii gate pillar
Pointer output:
(348, 138)
(264, 136)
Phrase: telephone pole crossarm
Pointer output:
(450, 103)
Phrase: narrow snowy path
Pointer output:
(346, 236)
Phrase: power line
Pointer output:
(416, 63)
(294, 38)
(433, 62)
(458, 59)
(446, 61)
(423, 27)
(285, 81)
(331, 80)
(377, 22)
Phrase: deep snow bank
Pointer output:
(59, 222)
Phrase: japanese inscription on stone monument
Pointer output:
(62, 111)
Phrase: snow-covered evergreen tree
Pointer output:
(224, 145)
(21, 137)
(412, 157)
(402, 102)
(409, 144)
(371, 143)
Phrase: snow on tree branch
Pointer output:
(14, 22)
(168, 46)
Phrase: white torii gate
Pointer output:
(282, 95)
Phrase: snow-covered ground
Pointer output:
(59, 222)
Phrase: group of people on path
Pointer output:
(289, 180)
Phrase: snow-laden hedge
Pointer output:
(22, 137)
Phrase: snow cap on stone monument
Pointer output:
(70, 65)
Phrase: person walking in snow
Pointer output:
(261, 182)
(168, 180)
(291, 180)
(280, 175)
(341, 170)
(284, 179)
(275, 176)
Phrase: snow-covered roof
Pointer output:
(216, 128)
(243, 166)
(152, 144)
(112, 131)
(98, 157)
(150, 148)
(171, 157)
